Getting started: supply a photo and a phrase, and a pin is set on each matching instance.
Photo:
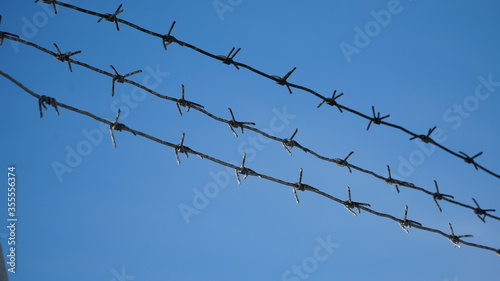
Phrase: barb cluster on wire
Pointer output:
(405, 223)
(229, 59)
(287, 143)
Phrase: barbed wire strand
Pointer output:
(288, 143)
(168, 39)
(455, 239)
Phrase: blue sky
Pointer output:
(115, 215)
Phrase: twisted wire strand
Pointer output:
(171, 39)
(295, 186)
(291, 142)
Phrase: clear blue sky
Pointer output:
(115, 214)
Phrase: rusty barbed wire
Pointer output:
(279, 80)
(287, 143)
(298, 186)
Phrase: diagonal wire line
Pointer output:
(295, 186)
(277, 79)
(287, 143)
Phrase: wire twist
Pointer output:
(406, 223)
(115, 126)
(350, 205)
(43, 101)
(185, 103)
(112, 17)
(65, 57)
(120, 78)
(236, 124)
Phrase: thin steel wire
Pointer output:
(288, 143)
(229, 59)
(454, 239)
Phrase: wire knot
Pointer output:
(185, 103)
(120, 78)
(112, 17)
(115, 126)
(65, 57)
(455, 239)
(299, 186)
(229, 58)
(43, 101)
(288, 144)
(332, 101)
(350, 205)
(406, 223)
(343, 162)
(481, 213)
(236, 124)
(376, 119)
(282, 80)
(168, 39)
(439, 196)
(53, 2)
(118, 127)
(470, 160)
(391, 181)
(242, 170)
(425, 138)
(180, 148)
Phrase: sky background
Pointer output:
(116, 215)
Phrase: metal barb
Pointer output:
(243, 170)
(439, 196)
(185, 103)
(180, 148)
(112, 17)
(120, 78)
(229, 58)
(350, 205)
(406, 223)
(390, 180)
(470, 160)
(332, 101)
(65, 57)
(481, 213)
(425, 138)
(3, 33)
(288, 144)
(455, 239)
(298, 186)
(343, 162)
(45, 100)
(115, 126)
(49, 2)
(235, 124)
(376, 119)
(282, 80)
(168, 39)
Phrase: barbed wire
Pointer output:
(287, 143)
(167, 39)
(404, 222)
